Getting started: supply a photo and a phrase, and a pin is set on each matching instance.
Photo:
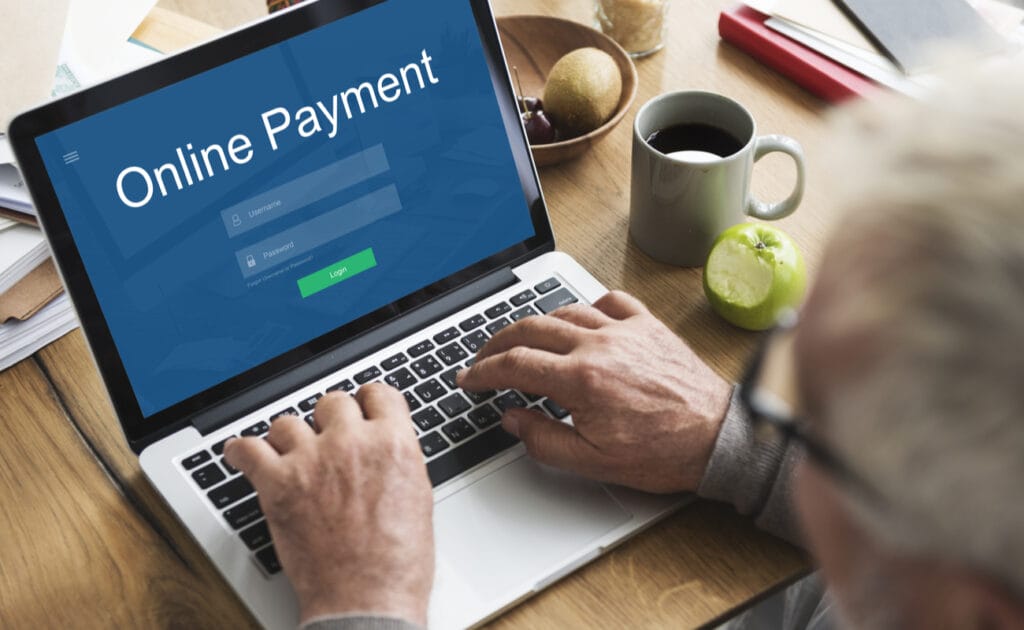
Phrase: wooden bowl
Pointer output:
(533, 43)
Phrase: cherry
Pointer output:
(530, 104)
(539, 129)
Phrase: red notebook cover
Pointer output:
(828, 79)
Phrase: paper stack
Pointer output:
(63, 45)
(817, 45)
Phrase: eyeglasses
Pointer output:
(767, 393)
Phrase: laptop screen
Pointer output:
(235, 215)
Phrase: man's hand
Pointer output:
(646, 409)
(350, 507)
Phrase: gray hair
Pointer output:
(913, 343)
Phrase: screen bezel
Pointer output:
(27, 127)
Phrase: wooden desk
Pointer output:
(85, 541)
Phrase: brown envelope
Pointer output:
(31, 293)
(20, 217)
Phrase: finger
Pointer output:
(252, 456)
(287, 433)
(582, 315)
(382, 402)
(620, 305)
(522, 368)
(554, 443)
(541, 333)
(336, 409)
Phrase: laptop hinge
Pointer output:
(263, 394)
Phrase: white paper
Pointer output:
(6, 154)
(22, 249)
(6, 224)
(829, 21)
(96, 44)
(13, 191)
(21, 339)
(871, 65)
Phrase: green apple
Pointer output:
(754, 273)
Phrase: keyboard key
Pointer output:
(475, 340)
(290, 411)
(367, 375)
(454, 405)
(344, 386)
(449, 377)
(421, 348)
(310, 421)
(509, 400)
(531, 397)
(400, 379)
(268, 560)
(432, 443)
(427, 419)
(259, 428)
(555, 409)
(231, 492)
(391, 363)
(218, 448)
(526, 311)
(195, 459)
(256, 536)
(479, 397)
(548, 285)
(497, 325)
(522, 298)
(452, 354)
(469, 455)
(557, 299)
(231, 470)
(458, 430)
(426, 367)
(430, 390)
(446, 335)
(484, 416)
(211, 474)
(473, 322)
(244, 513)
(412, 401)
(498, 309)
(309, 403)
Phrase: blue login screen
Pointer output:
(240, 213)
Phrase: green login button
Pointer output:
(339, 271)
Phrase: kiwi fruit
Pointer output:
(582, 91)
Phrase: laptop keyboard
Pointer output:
(457, 429)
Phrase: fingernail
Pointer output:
(510, 421)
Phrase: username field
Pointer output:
(305, 190)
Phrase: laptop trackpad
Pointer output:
(521, 523)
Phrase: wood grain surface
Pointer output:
(86, 542)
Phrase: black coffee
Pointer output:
(695, 137)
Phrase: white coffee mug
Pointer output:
(680, 202)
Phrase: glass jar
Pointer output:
(637, 25)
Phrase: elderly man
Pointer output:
(885, 431)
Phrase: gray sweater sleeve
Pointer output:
(753, 476)
(358, 622)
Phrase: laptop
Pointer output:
(338, 195)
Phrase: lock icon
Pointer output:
(250, 261)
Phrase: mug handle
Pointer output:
(771, 211)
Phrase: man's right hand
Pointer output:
(646, 410)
